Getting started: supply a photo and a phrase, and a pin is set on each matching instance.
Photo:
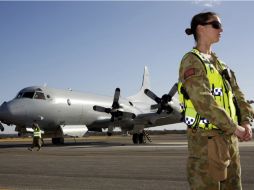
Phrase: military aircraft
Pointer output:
(62, 113)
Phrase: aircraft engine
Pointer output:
(115, 109)
(162, 103)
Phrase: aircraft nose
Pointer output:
(4, 112)
(13, 112)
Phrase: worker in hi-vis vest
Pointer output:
(214, 110)
(36, 137)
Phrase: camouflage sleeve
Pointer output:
(193, 76)
(246, 110)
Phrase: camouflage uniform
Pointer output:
(192, 75)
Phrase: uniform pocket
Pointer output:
(197, 145)
(218, 157)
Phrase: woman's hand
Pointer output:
(248, 132)
(240, 132)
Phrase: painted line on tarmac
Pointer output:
(150, 146)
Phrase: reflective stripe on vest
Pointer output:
(220, 89)
(37, 133)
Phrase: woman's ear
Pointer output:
(199, 28)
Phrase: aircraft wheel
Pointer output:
(109, 134)
(141, 138)
(61, 140)
(135, 138)
(57, 141)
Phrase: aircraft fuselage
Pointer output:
(57, 107)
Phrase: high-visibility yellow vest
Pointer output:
(37, 132)
(220, 89)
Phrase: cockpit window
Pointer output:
(28, 95)
(32, 95)
(19, 95)
(39, 95)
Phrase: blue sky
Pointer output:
(98, 46)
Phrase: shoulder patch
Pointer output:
(189, 72)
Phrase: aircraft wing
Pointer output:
(145, 120)
(155, 119)
(100, 124)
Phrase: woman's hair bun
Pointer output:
(188, 31)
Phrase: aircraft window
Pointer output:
(28, 95)
(19, 95)
(39, 95)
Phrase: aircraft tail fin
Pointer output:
(141, 96)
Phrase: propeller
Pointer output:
(114, 110)
(162, 103)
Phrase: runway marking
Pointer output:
(153, 146)
(156, 146)
(135, 146)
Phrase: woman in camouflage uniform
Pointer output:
(214, 110)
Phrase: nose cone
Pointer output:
(13, 112)
(7, 113)
(4, 111)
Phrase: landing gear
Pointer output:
(58, 141)
(138, 138)
(109, 134)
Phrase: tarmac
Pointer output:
(105, 163)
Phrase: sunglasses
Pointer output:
(215, 24)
